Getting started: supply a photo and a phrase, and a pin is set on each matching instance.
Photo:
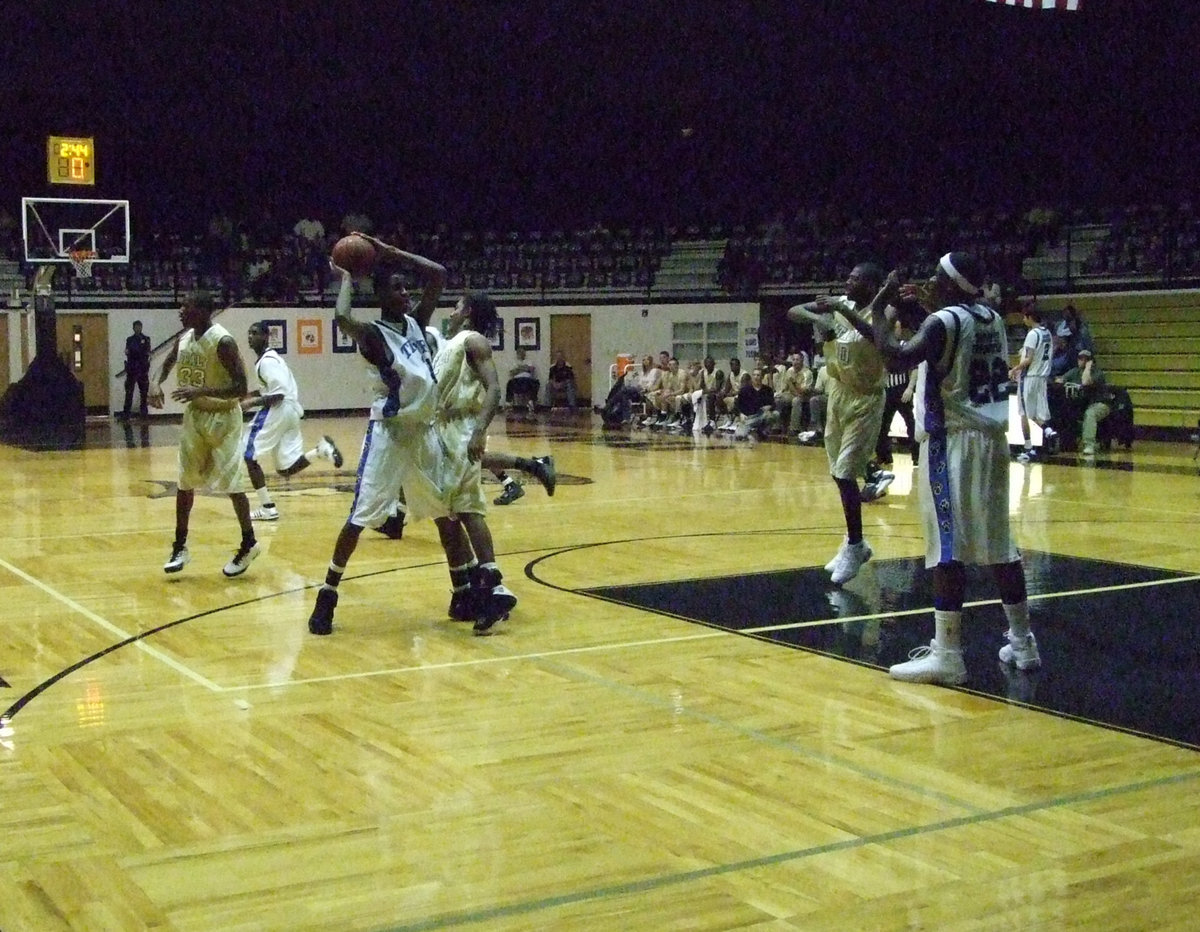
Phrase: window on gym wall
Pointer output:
(695, 340)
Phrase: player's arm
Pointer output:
(155, 398)
(479, 357)
(1023, 363)
(370, 343)
(433, 276)
(817, 311)
(925, 346)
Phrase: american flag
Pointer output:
(1042, 4)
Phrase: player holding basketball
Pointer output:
(211, 381)
(961, 408)
(276, 426)
(1032, 373)
(854, 409)
(399, 433)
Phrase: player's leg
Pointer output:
(1020, 648)
(540, 467)
(224, 428)
(493, 599)
(375, 496)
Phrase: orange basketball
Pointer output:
(354, 254)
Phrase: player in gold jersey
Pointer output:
(855, 403)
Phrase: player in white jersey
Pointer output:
(400, 445)
(961, 409)
(276, 425)
(211, 380)
(854, 411)
(1032, 373)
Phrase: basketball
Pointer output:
(354, 254)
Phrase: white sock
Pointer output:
(1018, 619)
(264, 497)
(947, 629)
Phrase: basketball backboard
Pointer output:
(54, 226)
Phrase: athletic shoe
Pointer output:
(328, 449)
(875, 472)
(393, 527)
(321, 619)
(242, 559)
(178, 560)
(266, 513)
(1089, 449)
(1023, 652)
(511, 493)
(1026, 456)
(832, 564)
(462, 605)
(932, 664)
(853, 558)
(877, 488)
(545, 474)
(496, 605)
(1050, 439)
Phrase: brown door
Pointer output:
(5, 358)
(83, 346)
(572, 333)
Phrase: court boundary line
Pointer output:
(125, 637)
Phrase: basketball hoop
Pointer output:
(81, 261)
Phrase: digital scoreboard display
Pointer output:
(70, 160)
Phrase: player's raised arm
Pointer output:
(433, 276)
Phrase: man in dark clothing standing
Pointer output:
(137, 368)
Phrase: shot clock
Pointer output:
(71, 160)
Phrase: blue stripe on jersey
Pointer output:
(256, 426)
(391, 380)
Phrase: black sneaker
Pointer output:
(321, 619)
(462, 605)
(511, 493)
(545, 473)
(495, 606)
(393, 527)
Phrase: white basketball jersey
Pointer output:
(1040, 349)
(276, 378)
(406, 390)
(969, 386)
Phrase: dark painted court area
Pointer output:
(1120, 657)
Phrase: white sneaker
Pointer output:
(178, 560)
(806, 436)
(1089, 449)
(1021, 651)
(877, 489)
(932, 664)
(327, 449)
(1025, 456)
(853, 558)
(832, 564)
(241, 561)
(265, 514)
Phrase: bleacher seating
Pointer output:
(1147, 342)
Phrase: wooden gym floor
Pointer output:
(683, 724)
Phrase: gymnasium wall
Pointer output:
(334, 381)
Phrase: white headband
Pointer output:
(947, 266)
